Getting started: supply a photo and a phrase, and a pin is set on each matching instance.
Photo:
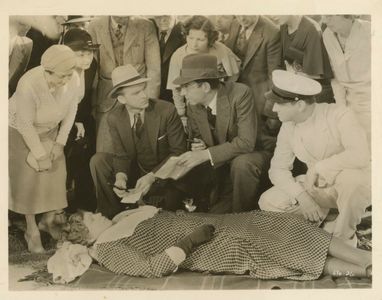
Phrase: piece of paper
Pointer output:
(132, 197)
(171, 169)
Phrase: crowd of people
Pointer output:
(267, 119)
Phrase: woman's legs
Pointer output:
(51, 221)
(32, 235)
(339, 268)
(346, 260)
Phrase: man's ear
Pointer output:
(206, 87)
(301, 105)
(120, 99)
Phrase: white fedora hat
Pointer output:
(125, 76)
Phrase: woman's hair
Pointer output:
(204, 24)
(75, 230)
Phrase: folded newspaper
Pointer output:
(171, 169)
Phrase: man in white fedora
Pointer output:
(330, 140)
(145, 133)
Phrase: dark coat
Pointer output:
(166, 134)
(236, 123)
(175, 40)
(262, 57)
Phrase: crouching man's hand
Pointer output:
(192, 159)
(144, 183)
(120, 185)
(309, 208)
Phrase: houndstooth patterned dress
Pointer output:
(266, 245)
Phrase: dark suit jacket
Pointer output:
(175, 40)
(166, 134)
(230, 42)
(236, 123)
(262, 57)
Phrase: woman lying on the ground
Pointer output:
(148, 242)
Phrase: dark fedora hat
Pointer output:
(198, 66)
(79, 39)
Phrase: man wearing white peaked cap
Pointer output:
(329, 139)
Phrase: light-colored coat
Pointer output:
(331, 140)
(352, 67)
(141, 49)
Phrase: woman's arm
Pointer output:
(26, 107)
(67, 123)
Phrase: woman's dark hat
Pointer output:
(78, 39)
(198, 66)
(76, 19)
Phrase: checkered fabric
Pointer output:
(265, 245)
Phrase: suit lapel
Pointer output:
(152, 123)
(201, 119)
(254, 41)
(222, 115)
(105, 38)
(130, 35)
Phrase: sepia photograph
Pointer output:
(189, 151)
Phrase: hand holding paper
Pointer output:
(132, 196)
(171, 169)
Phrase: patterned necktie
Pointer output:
(138, 125)
(118, 32)
(241, 43)
(162, 41)
(211, 118)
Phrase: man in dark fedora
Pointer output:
(223, 125)
(145, 133)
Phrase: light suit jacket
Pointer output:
(236, 123)
(352, 68)
(331, 140)
(141, 49)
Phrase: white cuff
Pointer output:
(121, 175)
(210, 156)
(176, 254)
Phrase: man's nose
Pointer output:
(275, 107)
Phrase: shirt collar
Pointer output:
(131, 116)
(250, 29)
(212, 104)
(114, 24)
